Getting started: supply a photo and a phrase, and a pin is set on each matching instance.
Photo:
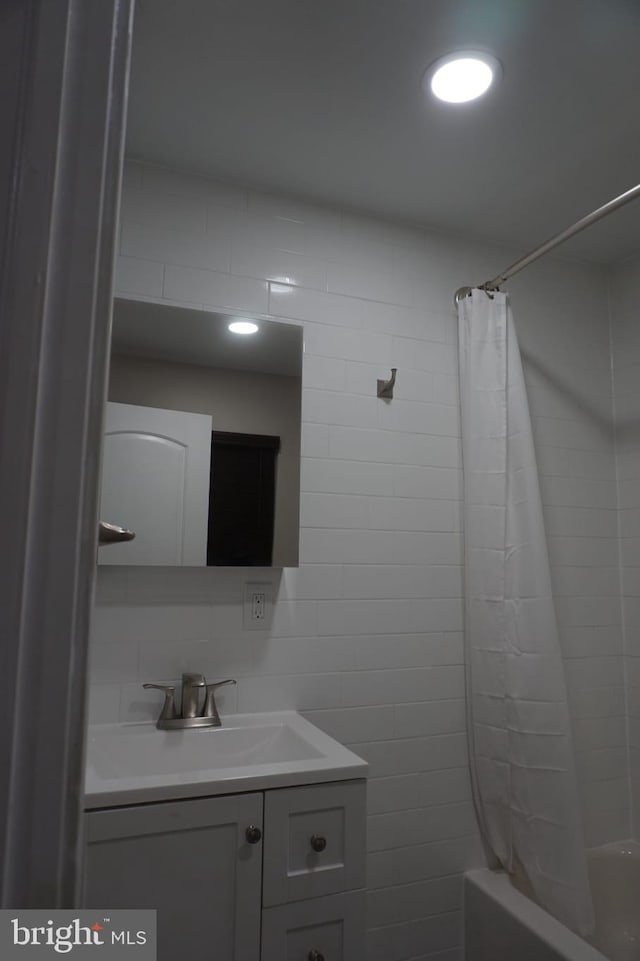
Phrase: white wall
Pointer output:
(366, 639)
(625, 314)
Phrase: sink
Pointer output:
(143, 751)
(134, 763)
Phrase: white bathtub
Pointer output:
(501, 924)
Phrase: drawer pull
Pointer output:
(318, 843)
(315, 956)
(253, 834)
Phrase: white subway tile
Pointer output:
(137, 276)
(424, 861)
(345, 511)
(315, 440)
(399, 793)
(318, 309)
(382, 581)
(326, 373)
(305, 655)
(299, 692)
(419, 418)
(160, 182)
(386, 652)
(387, 616)
(265, 204)
(355, 280)
(213, 289)
(210, 251)
(345, 343)
(165, 210)
(587, 611)
(112, 658)
(581, 522)
(576, 581)
(394, 447)
(364, 547)
(403, 686)
(436, 482)
(361, 724)
(413, 514)
(408, 940)
(331, 407)
(444, 787)
(407, 901)
(104, 702)
(250, 259)
(311, 582)
(575, 550)
(428, 718)
(403, 829)
(346, 477)
(273, 232)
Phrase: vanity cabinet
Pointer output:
(288, 862)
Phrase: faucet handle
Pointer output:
(210, 709)
(168, 712)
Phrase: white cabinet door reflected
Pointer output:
(155, 481)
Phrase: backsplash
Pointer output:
(366, 637)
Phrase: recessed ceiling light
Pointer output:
(243, 327)
(461, 77)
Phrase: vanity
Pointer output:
(248, 839)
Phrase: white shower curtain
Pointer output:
(522, 760)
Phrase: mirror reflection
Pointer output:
(202, 438)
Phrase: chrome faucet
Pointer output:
(191, 713)
(192, 684)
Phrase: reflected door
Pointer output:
(155, 481)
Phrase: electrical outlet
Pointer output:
(258, 607)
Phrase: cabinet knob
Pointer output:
(315, 956)
(318, 843)
(253, 834)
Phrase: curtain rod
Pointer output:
(560, 238)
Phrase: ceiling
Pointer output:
(323, 99)
(201, 337)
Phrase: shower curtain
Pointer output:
(521, 751)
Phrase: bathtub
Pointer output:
(501, 924)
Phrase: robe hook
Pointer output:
(385, 387)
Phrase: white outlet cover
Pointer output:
(250, 623)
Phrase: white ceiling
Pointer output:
(323, 99)
(202, 337)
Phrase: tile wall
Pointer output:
(366, 638)
(625, 324)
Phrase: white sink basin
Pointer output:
(133, 763)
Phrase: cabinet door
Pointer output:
(155, 480)
(192, 862)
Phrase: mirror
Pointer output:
(202, 439)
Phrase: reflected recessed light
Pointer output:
(461, 77)
(243, 327)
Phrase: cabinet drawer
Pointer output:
(314, 841)
(326, 929)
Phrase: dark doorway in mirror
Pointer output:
(242, 499)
